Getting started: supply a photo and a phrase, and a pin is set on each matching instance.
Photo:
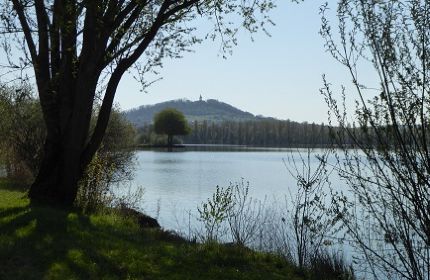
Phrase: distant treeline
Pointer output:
(266, 133)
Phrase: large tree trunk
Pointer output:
(59, 174)
(57, 180)
(68, 148)
(64, 162)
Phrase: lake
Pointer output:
(175, 183)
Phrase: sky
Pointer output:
(278, 76)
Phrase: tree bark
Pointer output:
(60, 171)
(57, 181)
(170, 141)
(63, 165)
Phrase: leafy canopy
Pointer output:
(171, 122)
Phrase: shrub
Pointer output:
(22, 132)
(246, 215)
(215, 212)
(329, 266)
(112, 165)
(232, 210)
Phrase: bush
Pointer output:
(246, 217)
(112, 165)
(215, 212)
(22, 132)
(22, 138)
(232, 211)
(329, 266)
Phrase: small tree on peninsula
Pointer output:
(171, 122)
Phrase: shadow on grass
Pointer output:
(42, 243)
(48, 243)
(12, 211)
(13, 185)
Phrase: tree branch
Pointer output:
(54, 30)
(19, 8)
(123, 65)
(42, 25)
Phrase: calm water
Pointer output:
(175, 183)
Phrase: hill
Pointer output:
(211, 110)
(215, 122)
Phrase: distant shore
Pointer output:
(226, 147)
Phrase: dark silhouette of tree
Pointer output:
(80, 50)
(171, 122)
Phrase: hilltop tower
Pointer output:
(200, 99)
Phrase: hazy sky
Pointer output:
(276, 76)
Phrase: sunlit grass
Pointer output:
(46, 243)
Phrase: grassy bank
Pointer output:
(45, 243)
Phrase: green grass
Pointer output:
(46, 243)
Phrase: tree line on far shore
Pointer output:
(265, 133)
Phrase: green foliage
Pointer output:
(46, 243)
(231, 210)
(22, 132)
(112, 164)
(215, 212)
(170, 122)
(232, 214)
(94, 192)
(120, 133)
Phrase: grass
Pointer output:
(46, 243)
